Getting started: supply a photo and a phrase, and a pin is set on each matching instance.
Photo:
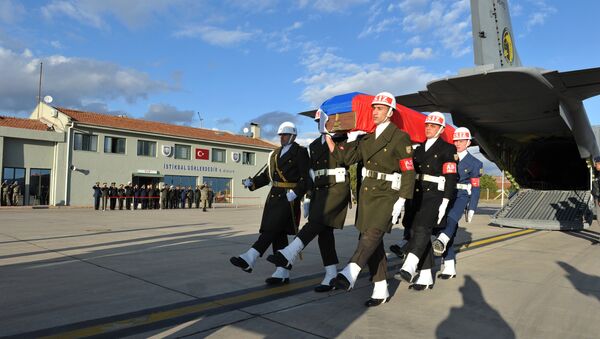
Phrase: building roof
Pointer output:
(105, 120)
(22, 123)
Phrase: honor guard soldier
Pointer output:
(596, 186)
(388, 181)
(128, 195)
(112, 194)
(121, 195)
(97, 194)
(435, 164)
(467, 197)
(287, 171)
(325, 206)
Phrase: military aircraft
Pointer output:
(529, 121)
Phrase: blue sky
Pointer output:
(237, 61)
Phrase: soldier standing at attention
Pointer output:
(150, 191)
(144, 197)
(136, 196)
(388, 181)
(121, 195)
(211, 196)
(104, 190)
(197, 196)
(204, 197)
(16, 193)
(97, 194)
(467, 197)
(164, 191)
(435, 164)
(325, 206)
(189, 196)
(5, 193)
(112, 194)
(596, 186)
(287, 171)
(128, 195)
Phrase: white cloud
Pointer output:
(72, 82)
(541, 12)
(329, 6)
(215, 36)
(416, 54)
(11, 11)
(95, 12)
(169, 114)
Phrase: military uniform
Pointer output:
(197, 196)
(16, 194)
(97, 195)
(121, 195)
(436, 180)
(128, 196)
(329, 200)
(5, 200)
(104, 197)
(286, 172)
(112, 194)
(204, 197)
(388, 175)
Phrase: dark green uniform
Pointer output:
(384, 156)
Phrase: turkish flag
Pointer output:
(202, 153)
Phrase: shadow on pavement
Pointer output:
(586, 284)
(475, 319)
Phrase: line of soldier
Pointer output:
(150, 196)
(434, 186)
(11, 193)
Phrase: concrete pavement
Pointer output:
(81, 272)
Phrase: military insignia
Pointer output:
(409, 149)
(455, 157)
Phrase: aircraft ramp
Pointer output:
(547, 210)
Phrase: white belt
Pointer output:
(394, 178)
(466, 187)
(338, 172)
(441, 181)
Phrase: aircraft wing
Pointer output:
(581, 84)
(421, 101)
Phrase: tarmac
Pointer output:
(166, 273)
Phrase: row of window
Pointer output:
(89, 142)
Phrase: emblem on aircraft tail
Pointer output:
(508, 50)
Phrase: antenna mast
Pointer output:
(39, 101)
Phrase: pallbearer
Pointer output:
(435, 164)
(467, 197)
(388, 180)
(287, 171)
(326, 206)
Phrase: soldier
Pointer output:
(16, 193)
(104, 191)
(97, 194)
(172, 197)
(5, 193)
(189, 196)
(389, 180)
(287, 170)
(325, 206)
(10, 194)
(435, 164)
(197, 196)
(136, 196)
(112, 194)
(144, 197)
(128, 195)
(211, 196)
(596, 186)
(204, 197)
(182, 196)
(121, 195)
(150, 196)
(164, 191)
(467, 197)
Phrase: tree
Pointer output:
(487, 182)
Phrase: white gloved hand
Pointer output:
(306, 207)
(398, 205)
(469, 216)
(247, 182)
(442, 210)
(354, 134)
(291, 196)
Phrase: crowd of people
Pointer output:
(427, 187)
(11, 193)
(133, 197)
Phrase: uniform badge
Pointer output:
(455, 157)
(408, 149)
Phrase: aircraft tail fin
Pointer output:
(493, 39)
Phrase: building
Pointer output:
(58, 154)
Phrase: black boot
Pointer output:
(241, 263)
(279, 260)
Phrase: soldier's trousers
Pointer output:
(279, 240)
(96, 202)
(326, 241)
(420, 245)
(113, 203)
(370, 252)
(104, 202)
(120, 203)
(128, 203)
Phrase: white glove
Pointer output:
(291, 196)
(306, 207)
(442, 210)
(247, 183)
(354, 134)
(397, 210)
(469, 216)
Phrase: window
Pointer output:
(114, 145)
(248, 158)
(218, 155)
(85, 142)
(221, 188)
(180, 180)
(146, 148)
(12, 175)
(182, 152)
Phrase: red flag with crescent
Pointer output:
(202, 154)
